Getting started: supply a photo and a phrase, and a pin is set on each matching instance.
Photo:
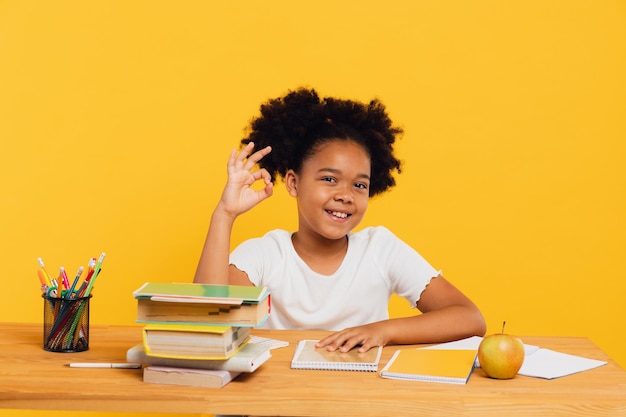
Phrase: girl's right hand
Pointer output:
(238, 195)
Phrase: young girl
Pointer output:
(333, 155)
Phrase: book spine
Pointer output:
(246, 315)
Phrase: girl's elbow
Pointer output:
(479, 326)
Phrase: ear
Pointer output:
(291, 181)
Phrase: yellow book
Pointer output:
(188, 341)
(433, 365)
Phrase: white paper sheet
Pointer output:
(538, 362)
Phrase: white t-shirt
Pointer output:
(377, 264)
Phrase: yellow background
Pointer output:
(117, 117)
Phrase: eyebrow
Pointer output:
(337, 171)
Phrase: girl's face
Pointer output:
(332, 189)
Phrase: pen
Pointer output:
(42, 280)
(44, 272)
(60, 285)
(42, 277)
(63, 275)
(103, 365)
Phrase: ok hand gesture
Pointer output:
(238, 195)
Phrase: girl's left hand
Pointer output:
(367, 336)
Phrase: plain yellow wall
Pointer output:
(116, 119)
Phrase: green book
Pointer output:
(207, 304)
(227, 294)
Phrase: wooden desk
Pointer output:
(31, 378)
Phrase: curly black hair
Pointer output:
(297, 124)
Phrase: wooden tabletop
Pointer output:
(31, 378)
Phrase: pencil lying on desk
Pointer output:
(103, 365)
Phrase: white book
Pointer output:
(248, 359)
(206, 378)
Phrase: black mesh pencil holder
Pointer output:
(65, 324)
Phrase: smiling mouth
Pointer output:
(339, 214)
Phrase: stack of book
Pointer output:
(198, 334)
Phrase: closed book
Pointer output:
(233, 305)
(307, 356)
(193, 341)
(188, 377)
(433, 365)
(248, 359)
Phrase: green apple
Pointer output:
(501, 355)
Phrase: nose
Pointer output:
(344, 195)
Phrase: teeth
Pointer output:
(339, 214)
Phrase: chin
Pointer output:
(337, 235)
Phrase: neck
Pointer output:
(322, 255)
(319, 246)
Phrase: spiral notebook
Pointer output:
(307, 356)
(431, 365)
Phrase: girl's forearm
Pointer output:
(213, 265)
(449, 323)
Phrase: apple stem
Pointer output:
(503, 324)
